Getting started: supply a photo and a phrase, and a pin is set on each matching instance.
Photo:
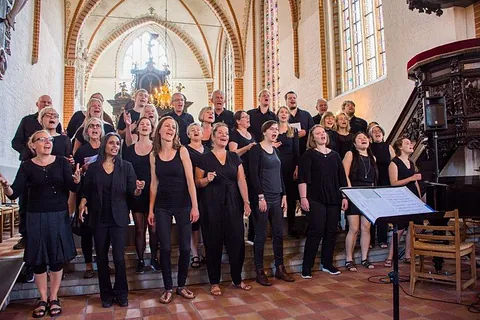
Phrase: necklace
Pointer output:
(323, 154)
(367, 171)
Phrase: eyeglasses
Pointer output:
(44, 139)
(94, 126)
(51, 115)
(177, 100)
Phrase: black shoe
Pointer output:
(331, 269)
(29, 275)
(306, 274)
(107, 304)
(262, 278)
(122, 302)
(140, 267)
(155, 265)
(20, 245)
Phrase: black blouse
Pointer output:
(241, 142)
(47, 187)
(332, 139)
(62, 146)
(86, 153)
(324, 175)
(289, 150)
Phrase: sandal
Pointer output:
(350, 266)
(195, 262)
(166, 297)
(388, 263)
(185, 293)
(41, 309)
(215, 290)
(243, 286)
(383, 245)
(55, 308)
(407, 260)
(367, 264)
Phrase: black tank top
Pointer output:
(365, 173)
(404, 173)
(172, 190)
(381, 152)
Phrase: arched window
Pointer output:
(271, 49)
(137, 53)
(363, 42)
(227, 75)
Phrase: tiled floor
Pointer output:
(347, 296)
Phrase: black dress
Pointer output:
(107, 128)
(141, 165)
(381, 151)
(332, 139)
(241, 142)
(50, 238)
(344, 144)
(222, 218)
(365, 175)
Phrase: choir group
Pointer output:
(209, 176)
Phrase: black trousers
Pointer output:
(22, 211)
(322, 223)
(87, 244)
(104, 235)
(163, 218)
(224, 228)
(274, 211)
(382, 230)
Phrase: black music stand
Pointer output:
(394, 205)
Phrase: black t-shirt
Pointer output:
(332, 139)
(306, 123)
(257, 119)
(241, 142)
(317, 118)
(106, 180)
(358, 125)
(107, 128)
(183, 121)
(121, 121)
(289, 153)
(62, 146)
(47, 187)
(226, 173)
(85, 154)
(227, 117)
(75, 122)
(324, 175)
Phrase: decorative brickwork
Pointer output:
(68, 94)
(36, 30)
(101, 23)
(237, 27)
(238, 92)
(323, 48)
(296, 57)
(338, 56)
(476, 14)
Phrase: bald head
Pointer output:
(44, 101)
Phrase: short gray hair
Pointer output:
(87, 124)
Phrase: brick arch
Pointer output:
(80, 16)
(129, 26)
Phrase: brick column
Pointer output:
(68, 93)
(476, 14)
(238, 92)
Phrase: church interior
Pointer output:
(394, 59)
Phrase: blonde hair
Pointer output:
(338, 116)
(290, 129)
(263, 91)
(89, 122)
(202, 113)
(311, 141)
(89, 105)
(31, 140)
(328, 114)
(191, 125)
(157, 139)
(138, 91)
(155, 114)
(44, 111)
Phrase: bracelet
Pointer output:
(246, 202)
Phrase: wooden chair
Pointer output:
(428, 244)
(7, 209)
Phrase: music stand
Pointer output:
(394, 205)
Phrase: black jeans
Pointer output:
(105, 235)
(87, 244)
(274, 210)
(382, 230)
(322, 223)
(163, 218)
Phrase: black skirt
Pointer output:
(50, 238)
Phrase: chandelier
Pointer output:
(161, 96)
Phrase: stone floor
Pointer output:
(346, 296)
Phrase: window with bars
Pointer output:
(363, 42)
(227, 75)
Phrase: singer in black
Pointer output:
(108, 183)
(344, 137)
(321, 200)
(221, 175)
(172, 194)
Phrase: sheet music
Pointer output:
(296, 125)
(386, 202)
(90, 160)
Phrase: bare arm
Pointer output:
(347, 163)
(153, 184)
(187, 167)
(242, 184)
(393, 174)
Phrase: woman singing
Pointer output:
(131, 135)
(329, 124)
(206, 118)
(172, 194)
(361, 170)
(287, 144)
(402, 173)
(108, 183)
(138, 155)
(62, 146)
(221, 174)
(344, 137)
(271, 201)
(46, 179)
(320, 179)
(196, 149)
